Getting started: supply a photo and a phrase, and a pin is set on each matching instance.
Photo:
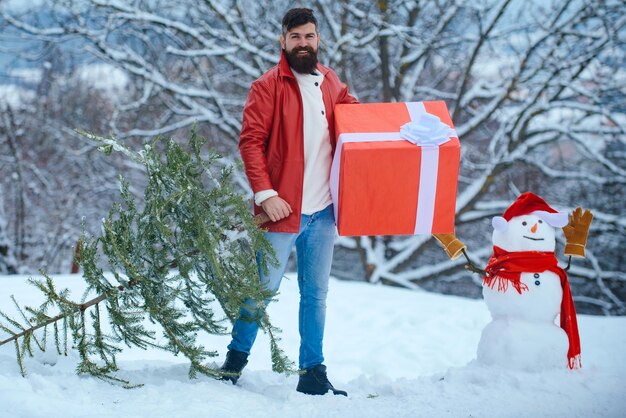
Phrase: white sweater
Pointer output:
(317, 149)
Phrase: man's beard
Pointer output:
(302, 64)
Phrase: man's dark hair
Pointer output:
(298, 17)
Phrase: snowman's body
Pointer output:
(522, 333)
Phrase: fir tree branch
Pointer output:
(52, 320)
(79, 308)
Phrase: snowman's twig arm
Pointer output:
(471, 266)
(569, 262)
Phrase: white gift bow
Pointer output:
(430, 165)
(426, 130)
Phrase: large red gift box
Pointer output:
(383, 184)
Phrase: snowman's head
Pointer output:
(528, 225)
(523, 233)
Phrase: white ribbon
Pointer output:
(424, 130)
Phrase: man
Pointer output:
(286, 144)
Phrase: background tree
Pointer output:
(536, 92)
(7, 259)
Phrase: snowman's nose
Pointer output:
(534, 228)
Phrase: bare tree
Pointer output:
(536, 103)
(8, 263)
(535, 91)
(52, 179)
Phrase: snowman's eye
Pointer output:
(540, 221)
(524, 223)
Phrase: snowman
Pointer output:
(525, 289)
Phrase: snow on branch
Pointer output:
(527, 86)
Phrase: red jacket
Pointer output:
(271, 140)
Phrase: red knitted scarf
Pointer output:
(507, 267)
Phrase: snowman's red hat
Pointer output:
(530, 204)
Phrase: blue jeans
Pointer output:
(314, 250)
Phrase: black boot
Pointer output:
(315, 382)
(234, 364)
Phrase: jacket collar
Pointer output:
(284, 70)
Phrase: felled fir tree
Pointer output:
(193, 242)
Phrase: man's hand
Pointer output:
(576, 232)
(276, 208)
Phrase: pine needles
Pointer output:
(193, 243)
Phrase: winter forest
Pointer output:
(536, 90)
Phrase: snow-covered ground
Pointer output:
(398, 353)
